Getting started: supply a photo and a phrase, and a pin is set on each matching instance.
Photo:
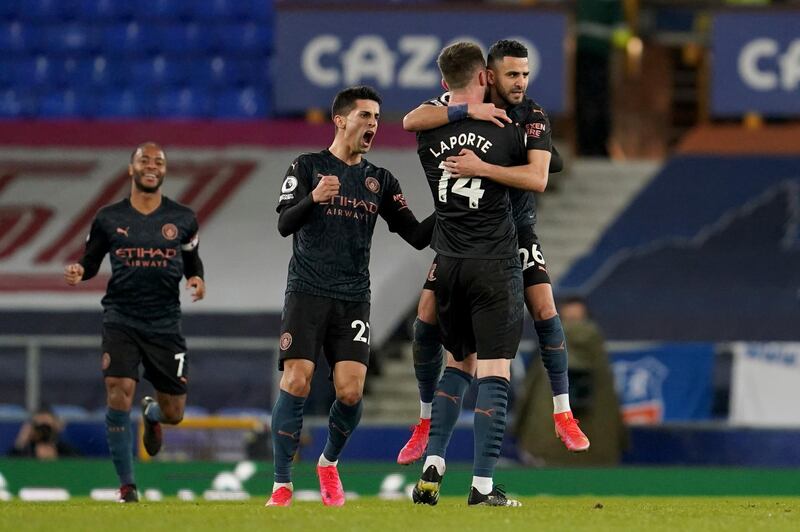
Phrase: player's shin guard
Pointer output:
(446, 409)
(287, 422)
(342, 422)
(120, 443)
(553, 348)
(428, 357)
(490, 424)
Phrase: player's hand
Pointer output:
(73, 274)
(198, 286)
(488, 113)
(327, 188)
(465, 164)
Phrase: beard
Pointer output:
(507, 97)
(141, 187)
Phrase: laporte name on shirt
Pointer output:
(464, 139)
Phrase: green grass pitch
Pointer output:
(568, 514)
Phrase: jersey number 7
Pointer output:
(469, 187)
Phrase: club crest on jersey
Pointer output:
(289, 184)
(372, 184)
(286, 341)
(169, 231)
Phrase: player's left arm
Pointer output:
(394, 209)
(427, 116)
(192, 264)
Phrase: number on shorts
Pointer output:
(363, 327)
(181, 358)
(535, 254)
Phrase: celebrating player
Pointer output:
(478, 275)
(152, 242)
(508, 80)
(330, 202)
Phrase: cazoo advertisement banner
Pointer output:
(756, 64)
(319, 52)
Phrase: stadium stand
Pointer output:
(93, 57)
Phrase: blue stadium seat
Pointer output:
(242, 103)
(48, 10)
(9, 9)
(106, 10)
(128, 39)
(32, 71)
(62, 104)
(70, 38)
(119, 103)
(166, 10)
(18, 38)
(255, 72)
(186, 38)
(184, 103)
(17, 103)
(6, 72)
(219, 10)
(159, 71)
(244, 38)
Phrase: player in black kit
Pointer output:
(330, 201)
(478, 274)
(152, 243)
(508, 79)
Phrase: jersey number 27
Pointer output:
(469, 187)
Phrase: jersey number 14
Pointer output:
(469, 187)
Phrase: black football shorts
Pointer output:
(312, 323)
(534, 268)
(163, 356)
(480, 306)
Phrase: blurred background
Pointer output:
(671, 236)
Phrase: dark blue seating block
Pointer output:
(69, 38)
(247, 102)
(63, 104)
(244, 38)
(128, 39)
(184, 38)
(184, 103)
(38, 11)
(125, 103)
(30, 71)
(17, 37)
(9, 9)
(159, 71)
(17, 103)
(107, 10)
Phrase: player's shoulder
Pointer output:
(528, 110)
(113, 210)
(175, 207)
(378, 172)
(440, 101)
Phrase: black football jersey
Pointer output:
(330, 252)
(146, 262)
(538, 136)
(473, 215)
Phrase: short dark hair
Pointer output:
(458, 63)
(345, 100)
(506, 48)
(141, 147)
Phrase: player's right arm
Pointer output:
(428, 116)
(97, 245)
(299, 195)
